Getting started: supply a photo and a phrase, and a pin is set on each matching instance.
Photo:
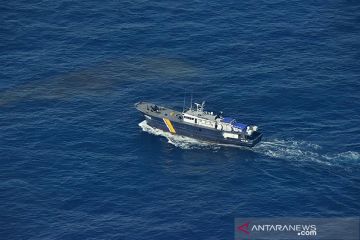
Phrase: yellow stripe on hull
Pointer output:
(169, 125)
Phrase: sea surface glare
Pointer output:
(78, 162)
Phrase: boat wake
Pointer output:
(275, 148)
(301, 150)
(177, 140)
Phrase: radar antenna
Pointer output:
(202, 105)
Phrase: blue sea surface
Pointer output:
(75, 164)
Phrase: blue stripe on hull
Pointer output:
(198, 133)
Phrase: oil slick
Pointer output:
(101, 79)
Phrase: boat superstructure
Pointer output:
(197, 123)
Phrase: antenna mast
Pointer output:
(191, 100)
(184, 100)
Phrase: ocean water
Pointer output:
(78, 162)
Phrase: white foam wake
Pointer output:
(288, 149)
(282, 149)
(177, 140)
(300, 150)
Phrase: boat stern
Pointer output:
(255, 139)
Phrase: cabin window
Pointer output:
(195, 120)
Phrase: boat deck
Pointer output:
(158, 111)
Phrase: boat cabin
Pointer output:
(208, 119)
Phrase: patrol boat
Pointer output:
(199, 124)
